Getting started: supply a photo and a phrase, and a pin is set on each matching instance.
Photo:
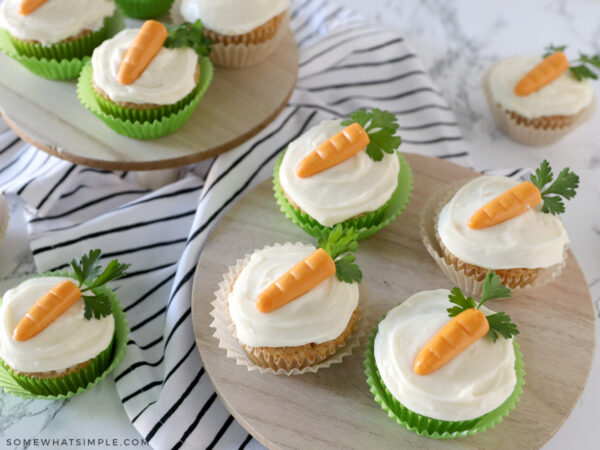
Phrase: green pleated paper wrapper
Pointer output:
(81, 380)
(144, 9)
(368, 223)
(143, 123)
(59, 61)
(433, 428)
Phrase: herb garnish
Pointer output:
(189, 35)
(500, 323)
(89, 272)
(381, 127)
(565, 186)
(336, 242)
(580, 68)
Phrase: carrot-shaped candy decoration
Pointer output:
(29, 6)
(526, 195)
(326, 261)
(61, 297)
(467, 326)
(151, 38)
(554, 64)
(371, 130)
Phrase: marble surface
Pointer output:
(457, 40)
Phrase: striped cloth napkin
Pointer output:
(346, 62)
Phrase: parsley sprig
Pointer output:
(189, 35)
(90, 276)
(580, 68)
(564, 186)
(339, 243)
(500, 323)
(381, 126)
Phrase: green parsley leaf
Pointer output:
(564, 186)
(189, 35)
(553, 49)
(582, 71)
(593, 60)
(89, 273)
(492, 288)
(500, 323)
(346, 270)
(381, 126)
(96, 306)
(458, 298)
(337, 242)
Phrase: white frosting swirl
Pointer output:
(563, 96)
(55, 20)
(168, 78)
(232, 17)
(318, 316)
(531, 240)
(66, 342)
(472, 384)
(355, 186)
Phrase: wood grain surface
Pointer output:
(237, 105)
(333, 408)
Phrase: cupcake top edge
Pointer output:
(55, 20)
(317, 316)
(69, 340)
(232, 17)
(168, 78)
(473, 383)
(563, 96)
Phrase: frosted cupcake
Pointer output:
(147, 76)
(292, 306)
(60, 334)
(443, 365)
(496, 223)
(346, 172)
(244, 32)
(536, 101)
(63, 31)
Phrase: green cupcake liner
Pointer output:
(124, 120)
(427, 426)
(81, 380)
(368, 223)
(55, 62)
(144, 9)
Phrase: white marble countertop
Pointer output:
(457, 40)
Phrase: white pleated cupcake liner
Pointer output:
(468, 283)
(226, 335)
(237, 56)
(528, 134)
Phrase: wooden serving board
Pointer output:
(333, 408)
(238, 104)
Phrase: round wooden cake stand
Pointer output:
(333, 408)
(237, 105)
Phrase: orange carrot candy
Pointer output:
(371, 130)
(467, 326)
(28, 6)
(62, 296)
(147, 43)
(326, 261)
(526, 195)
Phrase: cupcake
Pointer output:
(496, 223)
(51, 38)
(145, 83)
(445, 366)
(244, 32)
(537, 101)
(144, 9)
(60, 333)
(344, 172)
(290, 307)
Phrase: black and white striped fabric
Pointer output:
(347, 62)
